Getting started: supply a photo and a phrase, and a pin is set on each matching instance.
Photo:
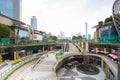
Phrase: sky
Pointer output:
(68, 16)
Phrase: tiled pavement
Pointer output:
(42, 72)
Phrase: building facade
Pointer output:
(11, 8)
(116, 15)
(86, 30)
(108, 33)
(34, 23)
(116, 18)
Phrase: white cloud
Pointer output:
(66, 15)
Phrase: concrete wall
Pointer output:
(6, 21)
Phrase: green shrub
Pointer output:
(16, 61)
(23, 59)
(11, 72)
(59, 54)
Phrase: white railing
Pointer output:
(12, 67)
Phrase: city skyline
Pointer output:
(67, 15)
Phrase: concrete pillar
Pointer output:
(102, 63)
(0, 58)
(96, 50)
(107, 71)
(87, 46)
(105, 49)
(43, 48)
(82, 44)
(16, 55)
(51, 48)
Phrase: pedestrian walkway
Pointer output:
(42, 71)
(47, 64)
(72, 48)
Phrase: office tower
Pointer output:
(34, 23)
(62, 35)
(84, 36)
(86, 30)
(89, 36)
(17, 9)
(11, 8)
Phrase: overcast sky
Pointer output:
(68, 16)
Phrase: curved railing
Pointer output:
(12, 67)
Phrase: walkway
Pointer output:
(44, 69)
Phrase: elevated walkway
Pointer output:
(44, 69)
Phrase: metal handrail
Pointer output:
(16, 65)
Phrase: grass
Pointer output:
(59, 54)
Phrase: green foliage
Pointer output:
(11, 72)
(54, 38)
(59, 54)
(109, 19)
(100, 23)
(76, 38)
(16, 61)
(23, 59)
(4, 31)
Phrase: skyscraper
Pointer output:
(86, 30)
(17, 9)
(11, 8)
(34, 23)
(62, 35)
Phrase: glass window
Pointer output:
(6, 8)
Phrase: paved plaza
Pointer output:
(42, 69)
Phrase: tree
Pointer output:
(109, 19)
(76, 38)
(51, 38)
(4, 31)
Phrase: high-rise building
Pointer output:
(86, 30)
(62, 35)
(34, 23)
(84, 36)
(89, 36)
(11, 8)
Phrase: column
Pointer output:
(0, 58)
(102, 63)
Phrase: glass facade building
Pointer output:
(11, 8)
(6, 8)
(108, 34)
